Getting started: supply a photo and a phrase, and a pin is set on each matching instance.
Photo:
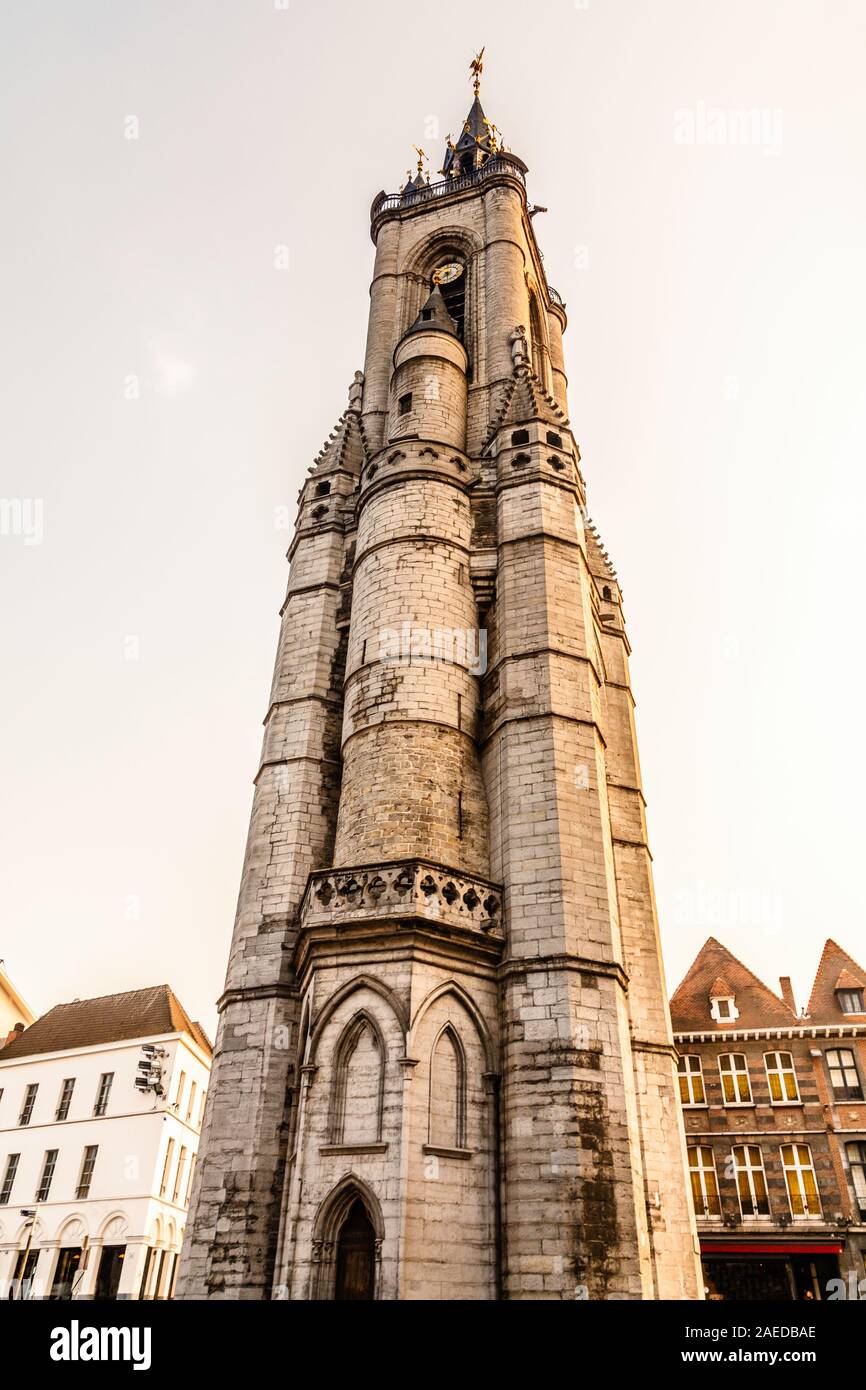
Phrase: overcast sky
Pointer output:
(166, 383)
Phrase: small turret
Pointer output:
(428, 388)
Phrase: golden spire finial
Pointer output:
(492, 136)
(476, 67)
(421, 157)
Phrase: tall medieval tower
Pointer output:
(444, 1066)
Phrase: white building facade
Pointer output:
(95, 1173)
(15, 1012)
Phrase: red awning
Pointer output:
(763, 1247)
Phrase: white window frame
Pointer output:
(166, 1167)
(178, 1175)
(774, 1066)
(103, 1095)
(735, 1072)
(798, 1167)
(857, 1168)
(750, 1168)
(702, 1169)
(692, 1074)
(844, 1069)
(716, 1001)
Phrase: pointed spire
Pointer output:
(346, 446)
(479, 139)
(526, 399)
(434, 316)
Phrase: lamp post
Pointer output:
(31, 1216)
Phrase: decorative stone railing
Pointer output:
(403, 889)
(498, 165)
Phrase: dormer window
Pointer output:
(850, 1000)
(723, 1005)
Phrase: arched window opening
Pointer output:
(447, 1125)
(539, 351)
(452, 287)
(359, 1076)
(356, 1257)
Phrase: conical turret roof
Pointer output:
(434, 316)
(526, 399)
(346, 447)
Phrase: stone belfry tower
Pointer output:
(444, 1065)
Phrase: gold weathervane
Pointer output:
(421, 157)
(476, 67)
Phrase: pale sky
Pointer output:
(165, 387)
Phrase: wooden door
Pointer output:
(356, 1256)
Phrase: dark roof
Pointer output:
(140, 1013)
(757, 1006)
(434, 316)
(474, 135)
(823, 1006)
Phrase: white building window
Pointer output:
(189, 1180)
(781, 1077)
(705, 1186)
(29, 1102)
(65, 1098)
(85, 1178)
(169, 1154)
(800, 1180)
(189, 1108)
(178, 1179)
(8, 1179)
(751, 1180)
(103, 1093)
(734, 1071)
(48, 1166)
(691, 1081)
(180, 1085)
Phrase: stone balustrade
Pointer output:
(403, 889)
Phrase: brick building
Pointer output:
(444, 1066)
(775, 1120)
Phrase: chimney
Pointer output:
(788, 992)
(16, 1033)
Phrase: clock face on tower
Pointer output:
(446, 273)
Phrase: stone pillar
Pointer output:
(133, 1266)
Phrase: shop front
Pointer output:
(769, 1271)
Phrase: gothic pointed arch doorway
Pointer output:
(356, 1257)
(347, 1244)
